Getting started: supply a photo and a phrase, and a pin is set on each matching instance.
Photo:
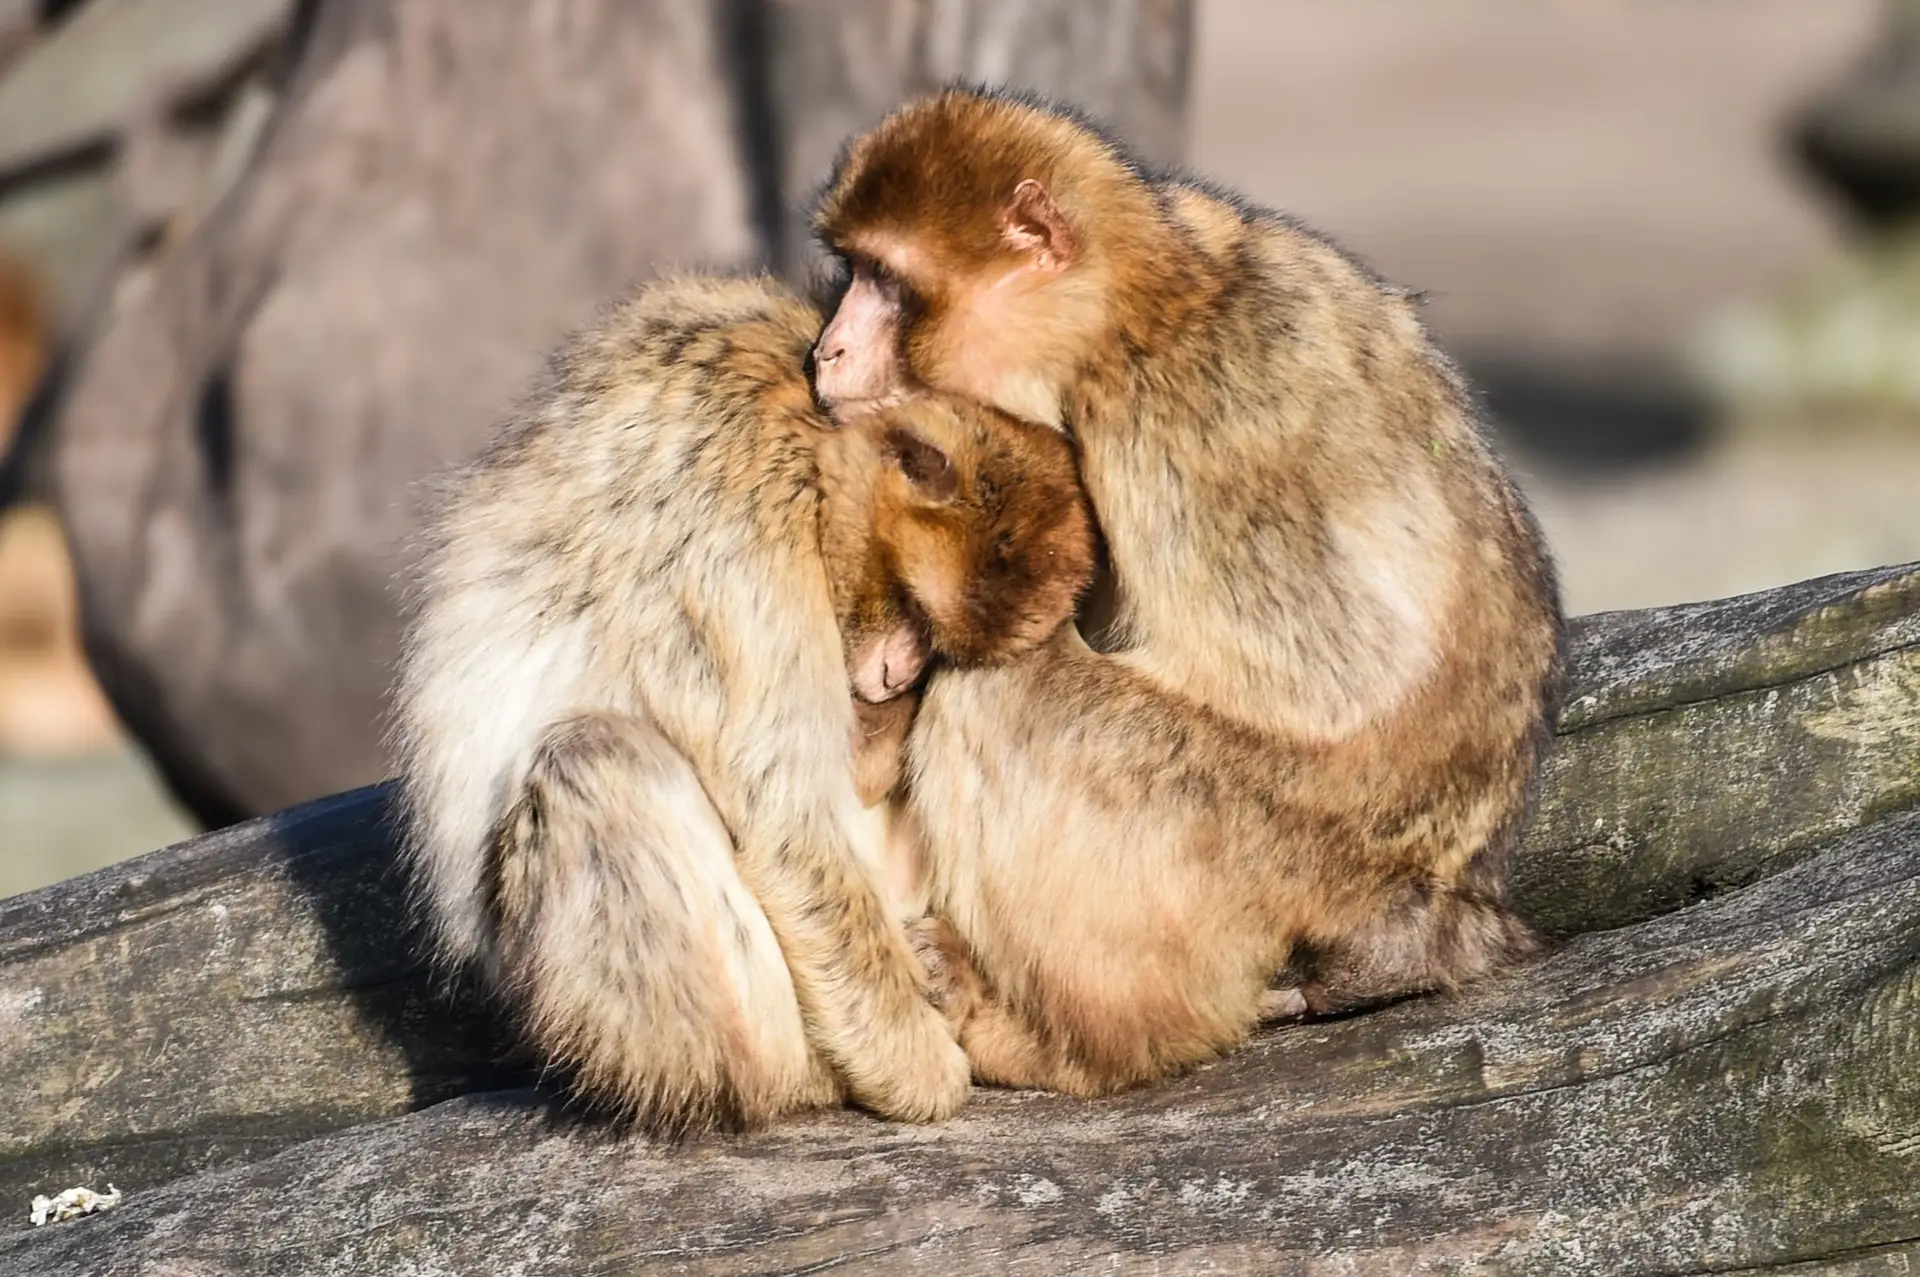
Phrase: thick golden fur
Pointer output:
(1336, 631)
(623, 719)
(623, 727)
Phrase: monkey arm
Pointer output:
(856, 978)
(781, 774)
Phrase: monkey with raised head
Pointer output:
(639, 795)
(1335, 636)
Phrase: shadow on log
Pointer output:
(1716, 1072)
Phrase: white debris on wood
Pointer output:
(72, 1204)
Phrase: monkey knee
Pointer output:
(588, 755)
(635, 954)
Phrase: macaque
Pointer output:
(626, 720)
(1294, 777)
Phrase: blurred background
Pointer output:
(263, 264)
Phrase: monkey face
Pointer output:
(857, 360)
(967, 276)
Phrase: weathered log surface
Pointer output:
(1704, 745)
(1727, 1088)
(1727, 1085)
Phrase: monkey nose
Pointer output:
(825, 354)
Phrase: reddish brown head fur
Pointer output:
(983, 236)
(959, 522)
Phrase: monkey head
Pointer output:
(953, 530)
(979, 239)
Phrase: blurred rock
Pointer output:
(1862, 136)
(19, 19)
(1843, 342)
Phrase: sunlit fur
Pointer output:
(1335, 629)
(625, 738)
(993, 558)
(623, 730)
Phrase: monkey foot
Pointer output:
(1283, 1004)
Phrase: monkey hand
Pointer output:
(953, 985)
(926, 1076)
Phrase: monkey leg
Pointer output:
(1430, 938)
(632, 948)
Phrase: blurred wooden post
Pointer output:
(835, 68)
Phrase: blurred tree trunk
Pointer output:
(445, 188)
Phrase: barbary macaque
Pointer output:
(626, 736)
(1309, 740)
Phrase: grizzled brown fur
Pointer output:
(1334, 647)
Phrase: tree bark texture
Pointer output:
(445, 188)
(1718, 1070)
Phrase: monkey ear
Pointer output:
(1034, 224)
(927, 468)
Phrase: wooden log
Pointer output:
(220, 999)
(1729, 1087)
(1704, 745)
(211, 1003)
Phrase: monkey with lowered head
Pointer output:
(1335, 642)
(623, 720)
(966, 537)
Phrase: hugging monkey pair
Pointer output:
(665, 623)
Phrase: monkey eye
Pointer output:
(925, 466)
(881, 273)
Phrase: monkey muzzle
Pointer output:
(890, 664)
